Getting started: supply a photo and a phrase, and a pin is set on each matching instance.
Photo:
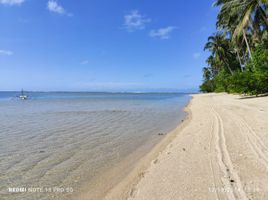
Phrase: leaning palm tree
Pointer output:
(245, 9)
(240, 15)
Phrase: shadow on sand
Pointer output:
(253, 97)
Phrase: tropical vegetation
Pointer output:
(238, 61)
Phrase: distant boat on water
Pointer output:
(23, 96)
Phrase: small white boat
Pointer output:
(23, 96)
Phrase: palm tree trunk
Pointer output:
(226, 63)
(231, 71)
(246, 40)
(239, 61)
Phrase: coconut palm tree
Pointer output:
(219, 47)
(245, 9)
(206, 73)
(215, 65)
(242, 28)
(240, 16)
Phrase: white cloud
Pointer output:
(11, 2)
(162, 33)
(53, 6)
(84, 62)
(196, 55)
(135, 21)
(6, 53)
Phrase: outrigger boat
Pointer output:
(23, 96)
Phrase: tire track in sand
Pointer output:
(231, 181)
(254, 141)
(212, 127)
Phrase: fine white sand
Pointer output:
(219, 152)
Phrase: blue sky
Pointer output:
(104, 45)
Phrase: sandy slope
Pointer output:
(221, 153)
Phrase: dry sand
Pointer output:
(219, 152)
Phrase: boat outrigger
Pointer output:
(23, 96)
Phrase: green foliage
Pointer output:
(207, 86)
(247, 82)
(242, 82)
(222, 81)
(253, 81)
(242, 40)
(258, 69)
(259, 60)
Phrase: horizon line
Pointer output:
(111, 92)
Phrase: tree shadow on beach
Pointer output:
(253, 97)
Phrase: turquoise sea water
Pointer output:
(66, 140)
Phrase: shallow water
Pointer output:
(55, 143)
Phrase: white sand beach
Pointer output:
(219, 152)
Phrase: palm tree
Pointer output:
(214, 64)
(241, 15)
(219, 47)
(242, 28)
(245, 9)
(206, 73)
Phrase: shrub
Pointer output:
(253, 80)
(207, 86)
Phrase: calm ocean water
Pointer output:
(55, 144)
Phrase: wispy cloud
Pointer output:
(12, 2)
(54, 6)
(162, 33)
(196, 55)
(84, 62)
(135, 21)
(6, 53)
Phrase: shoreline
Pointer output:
(129, 171)
(123, 189)
(218, 152)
